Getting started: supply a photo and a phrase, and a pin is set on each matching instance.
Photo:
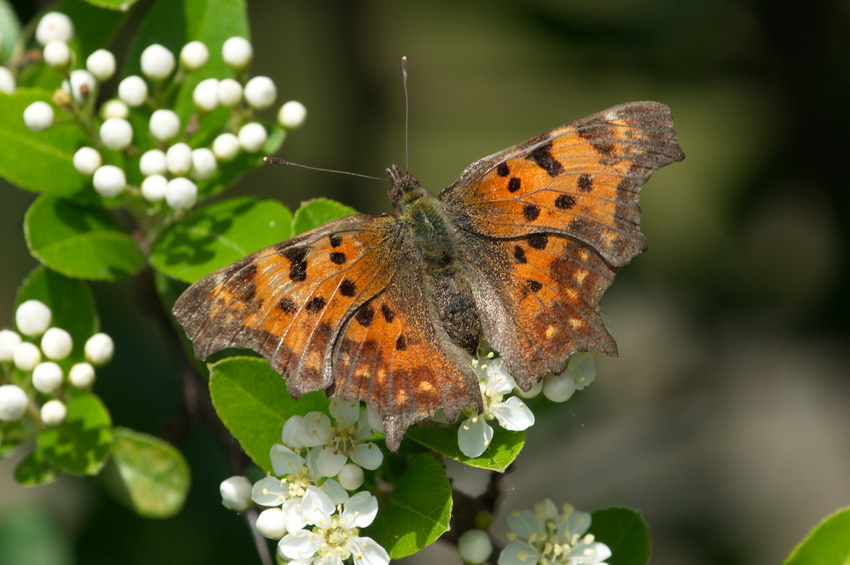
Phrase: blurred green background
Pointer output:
(724, 420)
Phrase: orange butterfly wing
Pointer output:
(336, 307)
(548, 224)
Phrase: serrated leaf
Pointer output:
(418, 510)
(251, 400)
(218, 235)
(80, 241)
(502, 451)
(318, 212)
(40, 161)
(34, 469)
(146, 474)
(81, 443)
(624, 532)
(827, 544)
(70, 301)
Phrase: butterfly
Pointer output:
(390, 309)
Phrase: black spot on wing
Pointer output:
(514, 184)
(502, 170)
(585, 182)
(543, 157)
(519, 255)
(530, 212)
(565, 201)
(538, 241)
(287, 305)
(297, 262)
(365, 315)
(388, 313)
(315, 304)
(337, 257)
(347, 288)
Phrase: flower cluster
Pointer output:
(171, 160)
(546, 537)
(33, 357)
(311, 504)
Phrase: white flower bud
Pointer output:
(133, 90)
(38, 116)
(53, 412)
(57, 54)
(181, 193)
(226, 147)
(154, 187)
(205, 95)
(351, 476)
(164, 125)
(236, 493)
(116, 133)
(9, 341)
(178, 159)
(271, 523)
(33, 317)
(260, 92)
(237, 52)
(194, 55)
(47, 377)
(558, 388)
(26, 356)
(204, 164)
(252, 137)
(474, 546)
(99, 349)
(535, 390)
(54, 26)
(229, 92)
(13, 403)
(152, 162)
(292, 114)
(82, 85)
(157, 62)
(87, 160)
(81, 375)
(109, 181)
(56, 344)
(7, 81)
(114, 108)
(101, 64)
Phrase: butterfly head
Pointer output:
(405, 188)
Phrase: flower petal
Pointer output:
(367, 551)
(318, 427)
(293, 515)
(294, 435)
(368, 456)
(269, 491)
(474, 436)
(344, 412)
(285, 461)
(359, 511)
(513, 414)
(330, 461)
(298, 545)
(589, 553)
(317, 507)
(498, 378)
(335, 492)
(517, 553)
(524, 524)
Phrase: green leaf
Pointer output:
(70, 301)
(80, 241)
(120, 5)
(418, 510)
(10, 30)
(318, 212)
(40, 161)
(502, 451)
(81, 443)
(218, 235)
(624, 532)
(251, 400)
(146, 474)
(827, 544)
(34, 469)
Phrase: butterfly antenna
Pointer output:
(406, 114)
(276, 161)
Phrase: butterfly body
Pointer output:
(388, 309)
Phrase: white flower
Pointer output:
(87, 160)
(271, 524)
(57, 54)
(237, 52)
(343, 441)
(475, 434)
(164, 125)
(54, 26)
(9, 341)
(582, 367)
(292, 114)
(116, 133)
(56, 343)
(133, 91)
(7, 80)
(81, 375)
(252, 137)
(154, 188)
(109, 181)
(194, 55)
(81, 85)
(226, 147)
(205, 95)
(33, 317)
(474, 546)
(101, 64)
(114, 108)
(204, 164)
(157, 62)
(99, 349)
(26, 356)
(178, 159)
(47, 377)
(38, 116)
(53, 412)
(545, 536)
(236, 493)
(13, 403)
(228, 92)
(153, 162)
(181, 193)
(334, 536)
(260, 92)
